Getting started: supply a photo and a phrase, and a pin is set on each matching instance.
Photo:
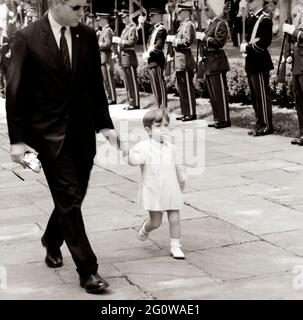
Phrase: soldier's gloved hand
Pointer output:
(243, 47)
(288, 28)
(116, 40)
(289, 60)
(170, 38)
(200, 35)
(146, 55)
(141, 19)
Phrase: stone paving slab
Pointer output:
(203, 233)
(248, 212)
(244, 261)
(276, 287)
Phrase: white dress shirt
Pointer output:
(56, 28)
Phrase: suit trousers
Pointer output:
(186, 92)
(261, 100)
(158, 85)
(218, 93)
(109, 81)
(298, 88)
(131, 85)
(67, 176)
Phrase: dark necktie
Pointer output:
(64, 50)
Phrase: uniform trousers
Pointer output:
(217, 89)
(298, 88)
(132, 87)
(109, 81)
(186, 92)
(261, 100)
(158, 85)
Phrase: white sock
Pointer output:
(175, 243)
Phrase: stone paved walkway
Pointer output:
(242, 226)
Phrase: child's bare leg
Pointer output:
(174, 224)
(154, 222)
(175, 234)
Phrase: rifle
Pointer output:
(243, 8)
(170, 49)
(116, 32)
(200, 47)
(286, 49)
(143, 30)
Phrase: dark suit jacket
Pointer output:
(44, 101)
(214, 41)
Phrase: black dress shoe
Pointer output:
(132, 108)
(180, 118)
(53, 258)
(223, 124)
(212, 125)
(190, 118)
(297, 141)
(93, 283)
(112, 102)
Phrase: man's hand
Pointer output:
(288, 28)
(200, 35)
(18, 150)
(141, 19)
(170, 38)
(145, 56)
(116, 40)
(243, 47)
(112, 136)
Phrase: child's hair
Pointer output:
(155, 115)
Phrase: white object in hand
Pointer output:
(31, 161)
(200, 35)
(116, 40)
(288, 28)
(170, 38)
(243, 47)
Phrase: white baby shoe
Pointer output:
(176, 252)
(142, 234)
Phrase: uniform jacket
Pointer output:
(185, 37)
(298, 51)
(129, 39)
(156, 44)
(45, 101)
(214, 41)
(105, 36)
(258, 58)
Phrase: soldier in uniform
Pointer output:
(258, 65)
(216, 66)
(184, 62)
(128, 59)
(155, 57)
(296, 30)
(105, 35)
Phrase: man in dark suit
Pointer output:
(55, 104)
(4, 50)
(216, 66)
(296, 31)
(258, 65)
(155, 57)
